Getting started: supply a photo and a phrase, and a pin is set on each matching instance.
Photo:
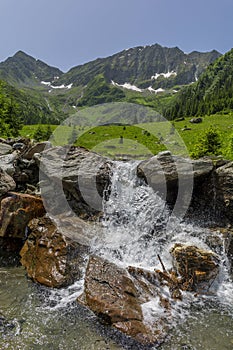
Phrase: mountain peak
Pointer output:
(22, 54)
(24, 70)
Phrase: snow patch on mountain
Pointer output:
(49, 84)
(155, 91)
(135, 88)
(165, 75)
(127, 86)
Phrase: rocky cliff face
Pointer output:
(144, 66)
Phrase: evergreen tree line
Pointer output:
(212, 93)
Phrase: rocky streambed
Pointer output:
(116, 240)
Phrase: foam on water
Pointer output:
(136, 231)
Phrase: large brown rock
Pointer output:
(51, 258)
(17, 210)
(76, 172)
(6, 183)
(117, 296)
(195, 265)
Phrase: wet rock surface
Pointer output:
(195, 265)
(113, 294)
(17, 210)
(203, 187)
(9, 251)
(50, 258)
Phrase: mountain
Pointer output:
(138, 75)
(18, 108)
(24, 70)
(144, 66)
(212, 93)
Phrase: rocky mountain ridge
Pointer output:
(145, 66)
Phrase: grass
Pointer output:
(142, 140)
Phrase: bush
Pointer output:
(209, 143)
(42, 134)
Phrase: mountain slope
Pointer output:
(212, 93)
(29, 108)
(48, 95)
(24, 70)
(146, 66)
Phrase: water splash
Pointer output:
(135, 231)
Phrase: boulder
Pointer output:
(120, 299)
(17, 210)
(37, 148)
(81, 175)
(196, 120)
(168, 174)
(9, 251)
(7, 162)
(195, 265)
(51, 258)
(5, 149)
(223, 193)
(6, 183)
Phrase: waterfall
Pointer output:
(136, 231)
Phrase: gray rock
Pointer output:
(5, 149)
(196, 120)
(76, 173)
(7, 162)
(168, 174)
(6, 182)
(224, 190)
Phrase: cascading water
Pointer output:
(134, 231)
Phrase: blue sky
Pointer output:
(65, 33)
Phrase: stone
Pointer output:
(6, 183)
(195, 265)
(25, 172)
(196, 120)
(5, 149)
(119, 299)
(51, 258)
(7, 162)
(80, 175)
(19, 146)
(168, 175)
(37, 148)
(17, 210)
(9, 251)
(224, 191)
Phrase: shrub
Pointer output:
(209, 143)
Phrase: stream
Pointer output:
(133, 232)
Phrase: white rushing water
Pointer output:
(136, 231)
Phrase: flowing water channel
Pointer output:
(133, 232)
